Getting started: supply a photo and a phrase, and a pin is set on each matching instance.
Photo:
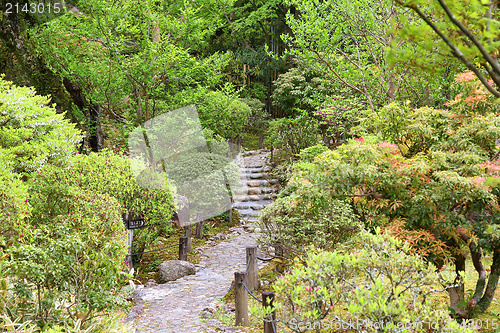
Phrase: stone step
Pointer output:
(260, 183)
(248, 170)
(254, 197)
(256, 190)
(255, 205)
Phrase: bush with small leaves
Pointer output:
(293, 135)
(32, 132)
(69, 259)
(307, 217)
(371, 283)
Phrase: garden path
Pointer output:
(175, 307)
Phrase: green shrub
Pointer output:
(301, 88)
(293, 135)
(307, 217)
(107, 173)
(371, 283)
(308, 154)
(32, 131)
(258, 122)
(221, 111)
(69, 258)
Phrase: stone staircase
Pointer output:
(257, 188)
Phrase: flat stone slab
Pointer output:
(256, 175)
(254, 197)
(253, 183)
(254, 190)
(257, 207)
(241, 206)
(242, 198)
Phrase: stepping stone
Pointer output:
(273, 181)
(254, 166)
(256, 175)
(254, 190)
(242, 198)
(264, 183)
(253, 183)
(254, 214)
(267, 190)
(241, 206)
(240, 192)
(257, 170)
(254, 197)
(267, 197)
(257, 207)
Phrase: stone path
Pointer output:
(257, 187)
(175, 307)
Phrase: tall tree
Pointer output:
(466, 30)
(348, 42)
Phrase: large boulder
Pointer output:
(175, 269)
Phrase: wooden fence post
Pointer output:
(183, 255)
(189, 235)
(240, 299)
(199, 225)
(253, 268)
(130, 238)
(231, 146)
(267, 301)
(239, 143)
(231, 212)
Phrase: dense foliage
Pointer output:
(369, 127)
(32, 132)
(371, 283)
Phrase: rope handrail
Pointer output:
(163, 248)
(248, 263)
(244, 285)
(267, 259)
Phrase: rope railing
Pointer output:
(249, 292)
(248, 263)
(245, 283)
(267, 259)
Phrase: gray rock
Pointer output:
(175, 269)
(150, 283)
(213, 322)
(206, 314)
(220, 236)
(241, 206)
(254, 197)
(249, 226)
(257, 207)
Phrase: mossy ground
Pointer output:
(148, 267)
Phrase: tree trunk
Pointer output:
(456, 292)
(491, 287)
(95, 138)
